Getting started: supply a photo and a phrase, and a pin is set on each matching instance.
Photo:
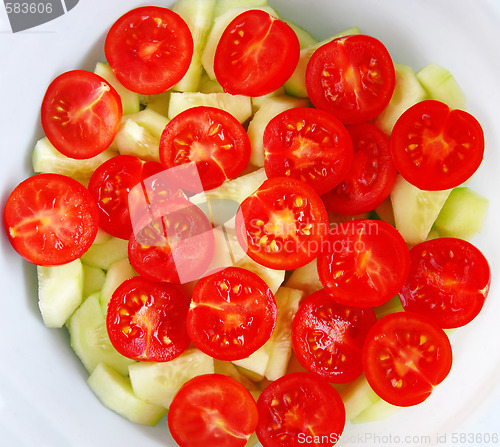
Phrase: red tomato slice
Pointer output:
(209, 137)
(449, 280)
(150, 49)
(351, 77)
(300, 409)
(232, 314)
(173, 243)
(364, 263)
(435, 147)
(256, 54)
(81, 114)
(310, 145)
(404, 357)
(51, 219)
(282, 224)
(371, 177)
(146, 320)
(212, 410)
(328, 337)
(110, 185)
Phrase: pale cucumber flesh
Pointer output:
(104, 254)
(117, 273)
(442, 86)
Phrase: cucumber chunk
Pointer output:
(378, 411)
(305, 38)
(89, 338)
(223, 6)
(60, 292)
(463, 214)
(415, 210)
(305, 278)
(118, 272)
(107, 253)
(130, 99)
(157, 103)
(93, 279)
(271, 107)
(407, 92)
(198, 15)
(237, 105)
(229, 369)
(357, 396)
(116, 393)
(46, 158)
(390, 307)
(442, 86)
(158, 383)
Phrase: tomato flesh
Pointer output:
(81, 114)
(146, 320)
(449, 280)
(232, 314)
(405, 356)
(51, 219)
(435, 147)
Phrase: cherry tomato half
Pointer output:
(150, 49)
(351, 77)
(81, 114)
(51, 219)
(435, 147)
(282, 224)
(449, 280)
(405, 356)
(310, 145)
(146, 320)
(328, 337)
(212, 410)
(256, 54)
(298, 409)
(110, 186)
(364, 263)
(209, 137)
(232, 314)
(371, 176)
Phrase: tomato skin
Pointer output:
(298, 408)
(365, 263)
(149, 48)
(310, 145)
(212, 410)
(142, 314)
(237, 307)
(328, 337)
(282, 224)
(210, 138)
(435, 147)
(51, 219)
(449, 281)
(351, 77)
(405, 356)
(81, 114)
(256, 54)
(110, 185)
(371, 177)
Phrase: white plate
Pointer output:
(44, 399)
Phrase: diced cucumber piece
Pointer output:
(288, 301)
(220, 23)
(90, 340)
(296, 84)
(208, 85)
(223, 6)
(60, 292)
(258, 101)
(237, 105)
(415, 210)
(442, 86)
(158, 383)
(305, 38)
(433, 234)
(46, 158)
(389, 307)
(305, 278)
(254, 366)
(229, 369)
(273, 278)
(357, 396)
(93, 279)
(252, 440)
(153, 121)
(101, 237)
(107, 253)
(463, 214)
(379, 411)
(407, 92)
(157, 103)
(198, 15)
(118, 272)
(130, 99)
(116, 393)
(269, 109)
